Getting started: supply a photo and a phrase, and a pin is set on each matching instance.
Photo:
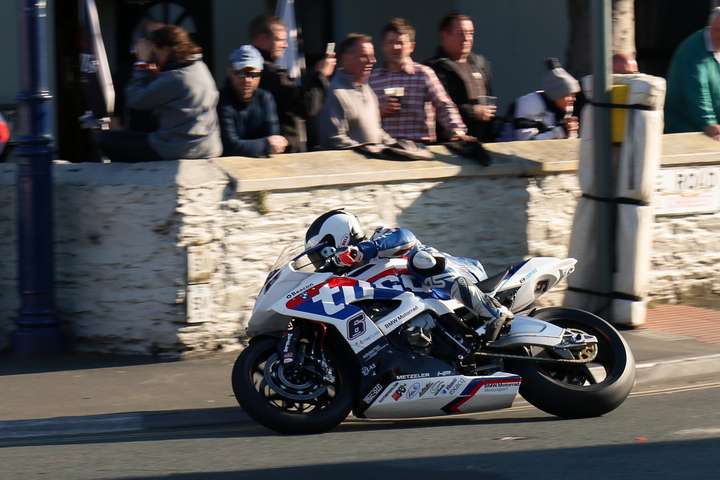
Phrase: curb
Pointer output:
(147, 421)
(676, 368)
(119, 423)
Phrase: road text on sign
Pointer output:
(687, 190)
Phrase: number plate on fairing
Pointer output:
(422, 397)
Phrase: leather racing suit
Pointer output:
(457, 275)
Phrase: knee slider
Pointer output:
(425, 264)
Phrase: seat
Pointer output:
(490, 283)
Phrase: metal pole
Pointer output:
(603, 167)
(38, 331)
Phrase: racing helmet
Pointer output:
(336, 228)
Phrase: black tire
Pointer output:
(247, 392)
(542, 387)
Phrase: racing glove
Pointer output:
(347, 256)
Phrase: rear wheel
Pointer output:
(576, 391)
(290, 400)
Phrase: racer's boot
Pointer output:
(482, 305)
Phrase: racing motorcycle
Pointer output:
(381, 343)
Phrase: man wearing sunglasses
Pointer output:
(248, 116)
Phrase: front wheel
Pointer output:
(578, 391)
(290, 400)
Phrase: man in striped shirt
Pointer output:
(411, 96)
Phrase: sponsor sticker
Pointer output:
(372, 353)
(398, 393)
(366, 339)
(449, 386)
(396, 320)
(528, 275)
(457, 386)
(444, 373)
(373, 393)
(414, 390)
(425, 389)
(368, 369)
(298, 291)
(410, 376)
(437, 389)
(499, 387)
(385, 395)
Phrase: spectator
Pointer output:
(410, 93)
(139, 120)
(465, 75)
(295, 103)
(692, 103)
(248, 119)
(350, 115)
(546, 113)
(171, 80)
(624, 63)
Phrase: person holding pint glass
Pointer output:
(410, 94)
(466, 76)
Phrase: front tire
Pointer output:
(573, 391)
(263, 391)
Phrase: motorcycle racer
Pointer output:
(346, 247)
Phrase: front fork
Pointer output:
(304, 339)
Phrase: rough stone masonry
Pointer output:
(166, 258)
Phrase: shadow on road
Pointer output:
(247, 429)
(11, 365)
(682, 459)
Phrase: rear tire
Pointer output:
(270, 407)
(556, 390)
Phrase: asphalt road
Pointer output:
(663, 432)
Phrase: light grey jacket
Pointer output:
(184, 100)
(350, 115)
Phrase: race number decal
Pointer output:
(356, 327)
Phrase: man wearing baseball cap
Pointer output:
(547, 113)
(248, 115)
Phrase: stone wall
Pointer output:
(166, 258)
(686, 260)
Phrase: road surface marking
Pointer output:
(699, 431)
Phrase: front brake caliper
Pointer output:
(328, 375)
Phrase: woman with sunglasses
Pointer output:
(248, 116)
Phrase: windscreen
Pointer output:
(298, 256)
(288, 253)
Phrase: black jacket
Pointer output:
(295, 102)
(244, 127)
(455, 86)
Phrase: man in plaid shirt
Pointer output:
(410, 93)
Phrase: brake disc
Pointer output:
(286, 384)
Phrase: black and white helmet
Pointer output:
(336, 228)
